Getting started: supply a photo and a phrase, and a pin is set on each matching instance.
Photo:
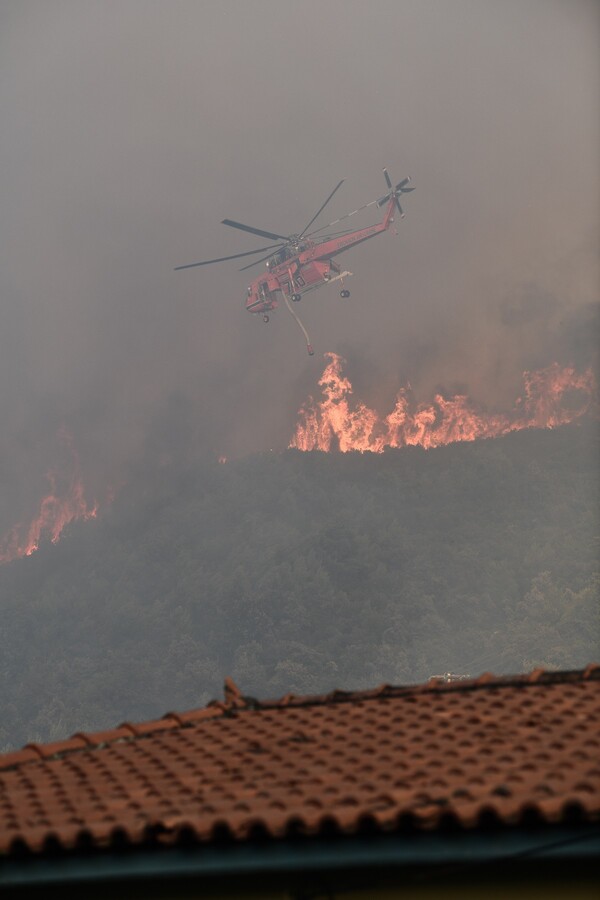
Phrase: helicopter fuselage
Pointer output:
(307, 267)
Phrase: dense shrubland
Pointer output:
(304, 572)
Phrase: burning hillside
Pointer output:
(64, 503)
(552, 396)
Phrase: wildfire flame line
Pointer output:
(338, 421)
(62, 505)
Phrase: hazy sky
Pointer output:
(130, 128)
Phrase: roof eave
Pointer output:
(465, 849)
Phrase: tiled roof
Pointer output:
(505, 751)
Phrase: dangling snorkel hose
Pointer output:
(311, 352)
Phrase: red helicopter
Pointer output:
(302, 262)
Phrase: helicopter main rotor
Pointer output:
(285, 240)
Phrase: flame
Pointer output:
(64, 503)
(339, 421)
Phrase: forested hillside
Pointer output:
(304, 572)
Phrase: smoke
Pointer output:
(130, 129)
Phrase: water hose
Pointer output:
(311, 352)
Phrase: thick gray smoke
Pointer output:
(131, 128)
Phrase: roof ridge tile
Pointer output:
(236, 702)
(87, 739)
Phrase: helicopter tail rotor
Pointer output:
(394, 191)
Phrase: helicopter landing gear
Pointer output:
(296, 298)
(345, 294)
(265, 318)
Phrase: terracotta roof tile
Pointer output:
(489, 751)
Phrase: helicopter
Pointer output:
(303, 262)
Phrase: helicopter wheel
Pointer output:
(344, 294)
(296, 298)
(265, 318)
